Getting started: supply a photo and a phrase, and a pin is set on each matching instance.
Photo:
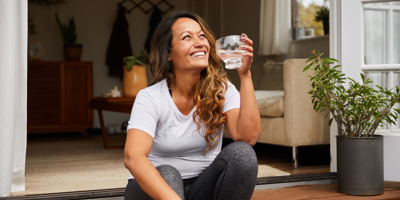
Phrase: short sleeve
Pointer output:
(144, 115)
(232, 98)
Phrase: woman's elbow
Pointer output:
(253, 140)
(128, 159)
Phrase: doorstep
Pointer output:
(262, 184)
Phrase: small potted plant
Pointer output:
(323, 15)
(134, 77)
(358, 111)
(72, 51)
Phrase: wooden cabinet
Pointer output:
(58, 96)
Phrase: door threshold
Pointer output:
(262, 183)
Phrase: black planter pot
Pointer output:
(360, 165)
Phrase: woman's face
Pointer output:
(189, 46)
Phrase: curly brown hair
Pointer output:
(211, 84)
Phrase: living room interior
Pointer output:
(81, 145)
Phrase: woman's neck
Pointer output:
(184, 83)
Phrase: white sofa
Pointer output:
(287, 116)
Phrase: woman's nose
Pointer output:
(199, 42)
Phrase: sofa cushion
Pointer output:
(270, 102)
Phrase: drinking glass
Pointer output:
(228, 49)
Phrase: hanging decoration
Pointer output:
(146, 5)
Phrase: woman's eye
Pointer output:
(203, 35)
(187, 36)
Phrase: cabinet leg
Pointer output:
(294, 152)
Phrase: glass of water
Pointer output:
(228, 49)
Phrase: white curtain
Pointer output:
(274, 27)
(13, 94)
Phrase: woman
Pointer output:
(173, 145)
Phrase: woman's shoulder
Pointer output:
(153, 90)
(153, 95)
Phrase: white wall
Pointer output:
(94, 22)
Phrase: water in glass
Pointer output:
(228, 49)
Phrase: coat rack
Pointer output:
(146, 5)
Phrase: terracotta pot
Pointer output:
(72, 52)
(134, 80)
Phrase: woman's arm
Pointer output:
(137, 148)
(244, 123)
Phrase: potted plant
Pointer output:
(134, 77)
(323, 15)
(72, 51)
(358, 111)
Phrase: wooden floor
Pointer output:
(325, 192)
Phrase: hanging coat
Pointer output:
(155, 19)
(119, 45)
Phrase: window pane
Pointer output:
(378, 78)
(396, 37)
(375, 51)
(396, 82)
(304, 21)
(397, 3)
(384, 3)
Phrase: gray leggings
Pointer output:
(232, 175)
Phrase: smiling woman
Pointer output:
(173, 146)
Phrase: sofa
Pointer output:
(286, 110)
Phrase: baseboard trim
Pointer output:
(117, 192)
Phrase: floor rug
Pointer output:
(76, 165)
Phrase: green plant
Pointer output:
(322, 13)
(359, 109)
(135, 59)
(68, 31)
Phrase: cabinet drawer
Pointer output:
(46, 70)
(44, 117)
(43, 102)
(43, 87)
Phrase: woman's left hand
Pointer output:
(247, 57)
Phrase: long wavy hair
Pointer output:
(210, 86)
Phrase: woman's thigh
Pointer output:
(232, 175)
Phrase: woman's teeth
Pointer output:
(202, 53)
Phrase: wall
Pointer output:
(302, 48)
(94, 22)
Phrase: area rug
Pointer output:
(83, 164)
(266, 171)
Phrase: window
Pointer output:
(303, 18)
(382, 47)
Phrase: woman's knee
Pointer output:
(169, 172)
(242, 154)
(173, 178)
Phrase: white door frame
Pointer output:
(347, 45)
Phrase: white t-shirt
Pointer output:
(176, 141)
